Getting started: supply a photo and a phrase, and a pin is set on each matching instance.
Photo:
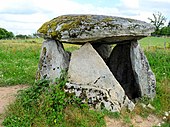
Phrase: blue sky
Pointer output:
(26, 16)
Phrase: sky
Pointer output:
(26, 16)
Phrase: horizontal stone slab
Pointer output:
(78, 29)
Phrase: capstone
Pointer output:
(79, 29)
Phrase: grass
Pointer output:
(155, 42)
(18, 65)
(19, 60)
(115, 115)
(71, 47)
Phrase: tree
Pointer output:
(169, 24)
(4, 34)
(158, 21)
(21, 36)
(165, 31)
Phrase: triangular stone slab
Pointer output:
(88, 70)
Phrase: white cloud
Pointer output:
(130, 4)
(56, 8)
(26, 16)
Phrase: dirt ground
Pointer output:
(137, 121)
(7, 96)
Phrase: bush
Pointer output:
(165, 31)
(4, 34)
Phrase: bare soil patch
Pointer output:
(7, 95)
(136, 121)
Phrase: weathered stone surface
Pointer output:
(143, 74)
(88, 70)
(121, 67)
(79, 29)
(99, 98)
(104, 50)
(53, 60)
(86, 66)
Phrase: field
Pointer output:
(155, 42)
(19, 62)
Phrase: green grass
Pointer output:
(157, 42)
(160, 64)
(35, 40)
(18, 63)
(71, 47)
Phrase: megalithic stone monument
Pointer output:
(105, 76)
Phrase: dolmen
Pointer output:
(103, 75)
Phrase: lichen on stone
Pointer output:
(90, 28)
(108, 19)
(66, 22)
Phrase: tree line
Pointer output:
(4, 34)
(158, 20)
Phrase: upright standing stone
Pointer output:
(121, 67)
(53, 60)
(142, 71)
(104, 50)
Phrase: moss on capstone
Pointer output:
(71, 25)
(67, 22)
(55, 34)
(43, 28)
(70, 22)
(108, 19)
